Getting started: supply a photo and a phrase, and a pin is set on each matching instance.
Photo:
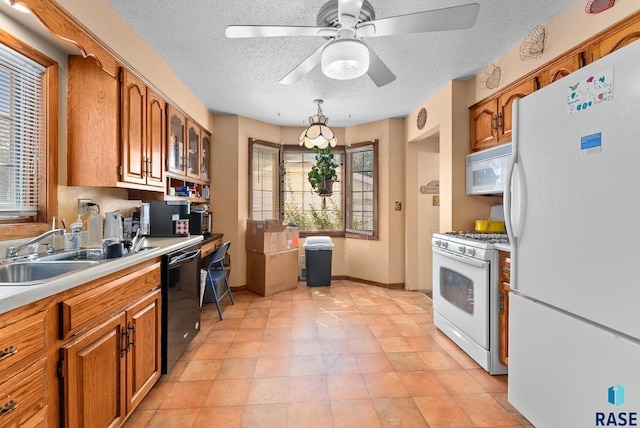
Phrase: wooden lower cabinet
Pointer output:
(109, 369)
(504, 288)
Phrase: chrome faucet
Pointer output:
(13, 251)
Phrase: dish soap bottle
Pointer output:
(94, 226)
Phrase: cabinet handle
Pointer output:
(500, 124)
(494, 123)
(130, 333)
(8, 408)
(501, 303)
(124, 342)
(7, 352)
(506, 269)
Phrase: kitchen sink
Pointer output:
(38, 272)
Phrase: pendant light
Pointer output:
(318, 134)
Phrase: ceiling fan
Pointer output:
(345, 23)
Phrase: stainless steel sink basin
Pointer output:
(38, 272)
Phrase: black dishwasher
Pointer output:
(180, 302)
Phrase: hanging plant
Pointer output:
(323, 174)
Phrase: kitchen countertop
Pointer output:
(502, 247)
(12, 297)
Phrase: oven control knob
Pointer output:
(445, 244)
(461, 248)
(471, 251)
(438, 243)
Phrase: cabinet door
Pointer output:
(143, 358)
(176, 124)
(505, 103)
(484, 126)
(561, 68)
(193, 150)
(94, 376)
(156, 131)
(618, 39)
(206, 155)
(134, 103)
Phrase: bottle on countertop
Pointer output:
(94, 226)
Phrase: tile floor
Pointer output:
(348, 355)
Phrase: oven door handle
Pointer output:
(182, 259)
(467, 260)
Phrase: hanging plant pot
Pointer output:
(325, 187)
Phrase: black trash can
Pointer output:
(317, 252)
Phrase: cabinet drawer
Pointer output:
(22, 397)
(210, 247)
(21, 344)
(87, 309)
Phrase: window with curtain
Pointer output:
(22, 138)
(264, 192)
(361, 184)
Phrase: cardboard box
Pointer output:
(264, 236)
(291, 237)
(272, 273)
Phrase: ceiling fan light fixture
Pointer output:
(318, 134)
(345, 59)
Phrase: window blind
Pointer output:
(21, 133)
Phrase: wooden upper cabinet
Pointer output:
(143, 132)
(193, 150)
(491, 120)
(134, 107)
(484, 125)
(617, 38)
(93, 154)
(205, 161)
(176, 124)
(505, 106)
(156, 135)
(556, 70)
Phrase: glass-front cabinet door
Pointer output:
(193, 150)
(175, 142)
(206, 155)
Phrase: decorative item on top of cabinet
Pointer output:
(491, 119)
(143, 132)
(504, 288)
(561, 67)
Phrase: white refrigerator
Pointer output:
(573, 215)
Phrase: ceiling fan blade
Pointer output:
(378, 71)
(304, 67)
(241, 31)
(450, 18)
(348, 12)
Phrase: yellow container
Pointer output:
(490, 226)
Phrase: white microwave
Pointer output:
(487, 170)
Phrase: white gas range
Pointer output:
(465, 293)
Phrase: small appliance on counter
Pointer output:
(199, 222)
(164, 219)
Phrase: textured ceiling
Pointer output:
(240, 76)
